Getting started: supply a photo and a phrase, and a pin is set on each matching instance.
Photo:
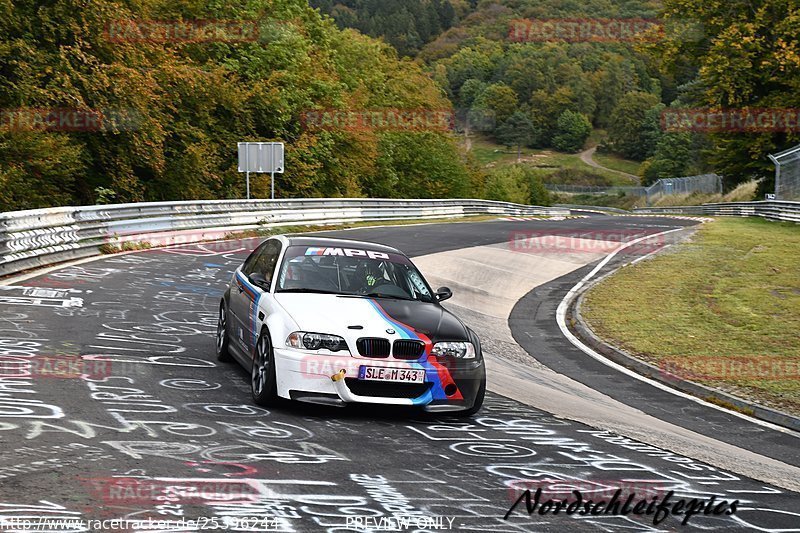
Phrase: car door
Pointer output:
(246, 295)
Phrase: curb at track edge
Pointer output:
(581, 336)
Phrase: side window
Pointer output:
(418, 284)
(263, 260)
(250, 262)
(268, 260)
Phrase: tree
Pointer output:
(674, 158)
(405, 24)
(469, 92)
(38, 169)
(539, 193)
(628, 123)
(517, 131)
(500, 99)
(547, 108)
(745, 55)
(186, 104)
(418, 165)
(518, 184)
(509, 184)
(471, 62)
(652, 130)
(611, 82)
(572, 131)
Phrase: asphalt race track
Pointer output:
(151, 426)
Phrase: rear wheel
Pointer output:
(223, 353)
(262, 374)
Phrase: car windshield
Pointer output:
(352, 272)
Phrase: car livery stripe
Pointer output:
(434, 371)
(254, 296)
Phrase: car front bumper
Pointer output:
(333, 380)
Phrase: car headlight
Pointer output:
(316, 341)
(459, 350)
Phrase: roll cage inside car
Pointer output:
(389, 275)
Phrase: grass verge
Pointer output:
(546, 162)
(616, 162)
(745, 192)
(127, 246)
(721, 310)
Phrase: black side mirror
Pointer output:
(443, 293)
(259, 281)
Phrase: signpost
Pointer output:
(261, 158)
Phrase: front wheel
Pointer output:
(223, 351)
(262, 374)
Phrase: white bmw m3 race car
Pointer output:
(334, 322)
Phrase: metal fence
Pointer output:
(31, 239)
(703, 184)
(592, 189)
(787, 174)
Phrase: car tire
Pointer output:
(223, 343)
(478, 402)
(263, 383)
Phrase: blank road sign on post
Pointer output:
(261, 158)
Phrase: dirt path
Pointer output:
(587, 156)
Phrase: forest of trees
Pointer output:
(188, 103)
(405, 24)
(738, 54)
(183, 104)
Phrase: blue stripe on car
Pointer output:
(436, 392)
(255, 297)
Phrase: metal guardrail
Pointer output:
(772, 210)
(40, 237)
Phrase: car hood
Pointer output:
(329, 313)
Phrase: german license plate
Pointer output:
(396, 375)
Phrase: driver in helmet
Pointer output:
(368, 275)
